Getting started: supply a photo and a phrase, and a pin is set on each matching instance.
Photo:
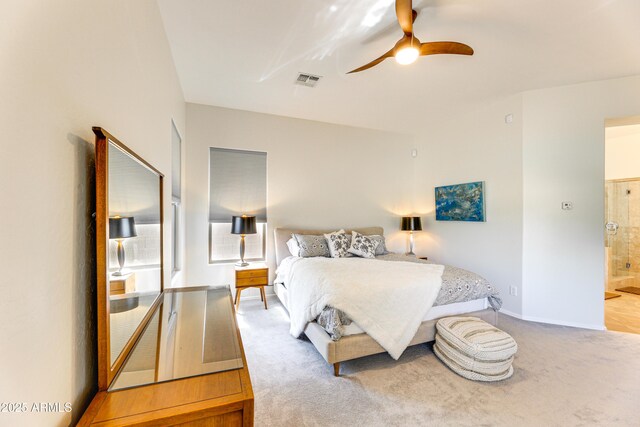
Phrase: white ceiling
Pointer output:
(246, 54)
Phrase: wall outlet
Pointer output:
(567, 206)
(513, 290)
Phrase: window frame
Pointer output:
(260, 222)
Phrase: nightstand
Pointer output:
(119, 285)
(252, 276)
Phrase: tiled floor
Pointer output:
(623, 314)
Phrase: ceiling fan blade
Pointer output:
(389, 29)
(437, 48)
(373, 63)
(405, 15)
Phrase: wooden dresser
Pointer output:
(165, 357)
(223, 398)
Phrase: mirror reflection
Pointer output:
(192, 332)
(135, 240)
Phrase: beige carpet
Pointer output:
(563, 377)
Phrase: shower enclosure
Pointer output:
(622, 228)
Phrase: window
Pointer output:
(225, 247)
(176, 192)
(237, 186)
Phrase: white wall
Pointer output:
(553, 152)
(622, 152)
(67, 66)
(319, 175)
(563, 160)
(477, 147)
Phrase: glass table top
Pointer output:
(192, 332)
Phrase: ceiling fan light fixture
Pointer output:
(407, 55)
(409, 48)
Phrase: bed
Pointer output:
(338, 342)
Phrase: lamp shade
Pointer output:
(122, 227)
(411, 223)
(243, 225)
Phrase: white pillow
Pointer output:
(362, 246)
(338, 243)
(293, 246)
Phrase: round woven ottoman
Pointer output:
(474, 348)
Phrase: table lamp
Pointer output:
(243, 225)
(120, 228)
(411, 224)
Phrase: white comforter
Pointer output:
(386, 299)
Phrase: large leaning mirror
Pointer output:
(129, 216)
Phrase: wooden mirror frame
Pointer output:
(107, 371)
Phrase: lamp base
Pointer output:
(410, 253)
(242, 262)
(118, 273)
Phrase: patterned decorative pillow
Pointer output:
(312, 245)
(381, 249)
(338, 243)
(362, 246)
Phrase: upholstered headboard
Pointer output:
(281, 236)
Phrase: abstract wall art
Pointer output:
(460, 202)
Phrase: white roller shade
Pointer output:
(134, 190)
(237, 184)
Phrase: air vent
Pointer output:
(306, 79)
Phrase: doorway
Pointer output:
(622, 225)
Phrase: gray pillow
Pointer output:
(312, 245)
(381, 249)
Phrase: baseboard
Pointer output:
(553, 321)
(564, 323)
(511, 314)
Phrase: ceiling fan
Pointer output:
(408, 48)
